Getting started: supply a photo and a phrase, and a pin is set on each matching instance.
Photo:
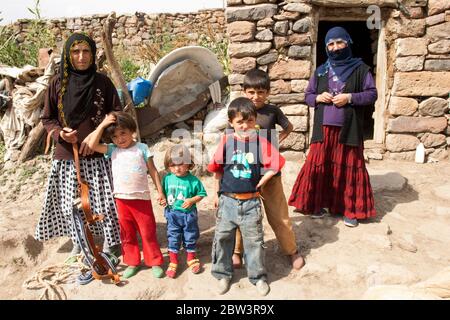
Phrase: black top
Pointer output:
(267, 118)
(242, 166)
(352, 130)
(104, 101)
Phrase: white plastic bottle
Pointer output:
(420, 153)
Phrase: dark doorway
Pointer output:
(364, 46)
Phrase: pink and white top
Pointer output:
(129, 169)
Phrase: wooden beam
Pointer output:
(116, 71)
(382, 102)
(355, 3)
(343, 14)
(34, 141)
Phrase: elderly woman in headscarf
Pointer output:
(334, 177)
(77, 100)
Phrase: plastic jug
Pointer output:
(139, 89)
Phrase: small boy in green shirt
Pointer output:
(182, 190)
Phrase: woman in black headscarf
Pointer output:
(334, 175)
(77, 100)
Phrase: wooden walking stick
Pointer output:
(116, 71)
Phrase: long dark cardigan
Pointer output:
(352, 130)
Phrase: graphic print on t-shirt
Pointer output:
(170, 199)
(241, 164)
(172, 192)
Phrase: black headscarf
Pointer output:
(340, 60)
(77, 87)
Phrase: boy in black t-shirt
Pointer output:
(257, 89)
(243, 163)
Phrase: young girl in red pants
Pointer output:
(130, 162)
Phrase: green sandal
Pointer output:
(130, 271)
(157, 271)
(72, 259)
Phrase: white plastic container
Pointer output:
(420, 153)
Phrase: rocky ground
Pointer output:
(404, 245)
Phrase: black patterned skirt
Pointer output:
(62, 189)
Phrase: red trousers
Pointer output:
(137, 216)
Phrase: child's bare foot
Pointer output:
(297, 261)
(237, 261)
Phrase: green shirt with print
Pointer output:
(177, 189)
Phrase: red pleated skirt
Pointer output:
(334, 176)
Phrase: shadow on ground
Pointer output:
(387, 199)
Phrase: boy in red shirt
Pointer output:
(242, 164)
(257, 89)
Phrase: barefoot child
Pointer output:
(130, 162)
(257, 89)
(182, 190)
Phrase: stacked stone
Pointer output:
(418, 108)
(274, 36)
(133, 31)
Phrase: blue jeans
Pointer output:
(182, 228)
(247, 215)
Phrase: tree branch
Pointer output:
(116, 71)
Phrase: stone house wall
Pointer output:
(418, 109)
(135, 30)
(280, 37)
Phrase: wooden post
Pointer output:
(34, 141)
(116, 71)
(382, 102)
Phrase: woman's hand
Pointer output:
(69, 135)
(341, 99)
(84, 147)
(324, 97)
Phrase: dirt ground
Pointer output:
(406, 243)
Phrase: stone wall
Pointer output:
(418, 107)
(135, 30)
(280, 36)
(276, 38)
